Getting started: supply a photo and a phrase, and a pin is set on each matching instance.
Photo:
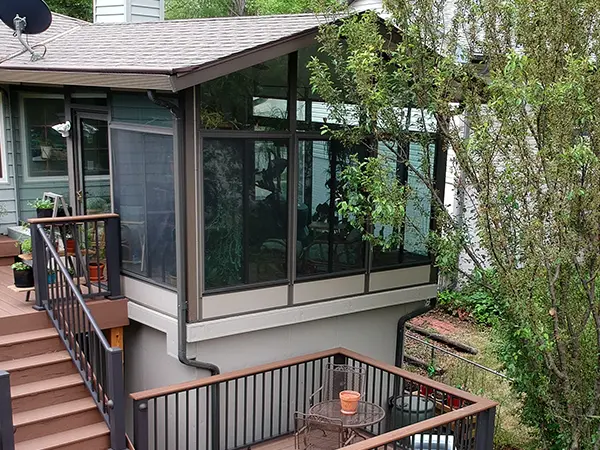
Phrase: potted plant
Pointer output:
(45, 149)
(96, 271)
(25, 249)
(51, 277)
(43, 207)
(96, 268)
(23, 275)
(349, 402)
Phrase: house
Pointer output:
(203, 136)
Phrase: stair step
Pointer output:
(60, 417)
(91, 437)
(30, 343)
(25, 322)
(40, 367)
(26, 397)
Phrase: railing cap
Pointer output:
(70, 219)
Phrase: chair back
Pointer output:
(314, 432)
(342, 377)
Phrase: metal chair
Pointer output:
(315, 432)
(338, 378)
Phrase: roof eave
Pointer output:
(105, 79)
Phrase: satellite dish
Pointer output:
(26, 17)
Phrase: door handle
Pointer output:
(79, 195)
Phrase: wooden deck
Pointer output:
(288, 443)
(16, 313)
(13, 303)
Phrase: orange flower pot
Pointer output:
(349, 402)
(96, 272)
(70, 246)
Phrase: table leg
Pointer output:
(28, 296)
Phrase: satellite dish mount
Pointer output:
(20, 24)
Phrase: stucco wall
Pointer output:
(147, 364)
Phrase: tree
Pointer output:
(524, 75)
(185, 9)
(80, 9)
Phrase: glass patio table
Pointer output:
(367, 414)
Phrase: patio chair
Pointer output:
(314, 432)
(338, 378)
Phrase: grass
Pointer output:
(511, 434)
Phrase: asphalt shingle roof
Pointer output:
(162, 47)
(9, 45)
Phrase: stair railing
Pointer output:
(7, 433)
(99, 364)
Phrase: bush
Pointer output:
(476, 298)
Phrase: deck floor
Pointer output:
(13, 303)
(287, 443)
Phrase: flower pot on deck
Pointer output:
(43, 213)
(349, 402)
(96, 271)
(70, 246)
(23, 278)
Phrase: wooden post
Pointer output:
(116, 338)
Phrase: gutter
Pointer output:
(180, 234)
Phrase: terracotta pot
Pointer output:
(349, 402)
(96, 271)
(70, 246)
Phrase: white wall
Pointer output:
(113, 11)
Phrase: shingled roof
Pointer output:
(163, 47)
(10, 46)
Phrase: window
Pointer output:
(245, 211)
(326, 243)
(413, 246)
(251, 99)
(44, 149)
(144, 194)
(138, 109)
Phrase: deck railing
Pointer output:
(59, 292)
(7, 433)
(90, 248)
(244, 408)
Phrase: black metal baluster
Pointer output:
(226, 414)
(245, 410)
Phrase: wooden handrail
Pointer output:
(420, 427)
(70, 219)
(208, 381)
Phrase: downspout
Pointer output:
(400, 331)
(180, 237)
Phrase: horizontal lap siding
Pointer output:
(7, 190)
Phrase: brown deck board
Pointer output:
(13, 303)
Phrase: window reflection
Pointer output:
(145, 199)
(326, 243)
(245, 211)
(251, 99)
(413, 245)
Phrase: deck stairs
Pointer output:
(52, 407)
